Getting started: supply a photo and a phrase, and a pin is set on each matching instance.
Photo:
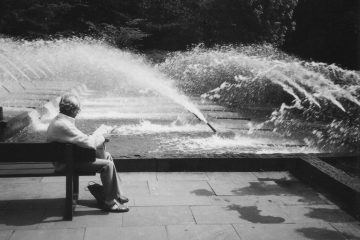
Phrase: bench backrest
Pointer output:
(44, 152)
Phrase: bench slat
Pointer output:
(37, 173)
(42, 152)
(29, 171)
(25, 165)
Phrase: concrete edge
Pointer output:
(343, 189)
(23, 120)
(205, 163)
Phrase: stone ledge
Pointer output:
(21, 121)
(343, 189)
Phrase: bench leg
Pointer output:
(76, 188)
(69, 198)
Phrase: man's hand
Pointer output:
(105, 131)
(107, 137)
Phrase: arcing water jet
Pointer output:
(89, 61)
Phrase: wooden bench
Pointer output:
(35, 160)
(2, 124)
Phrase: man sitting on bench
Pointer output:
(62, 129)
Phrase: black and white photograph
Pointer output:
(180, 119)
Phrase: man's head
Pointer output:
(69, 105)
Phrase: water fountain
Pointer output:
(324, 95)
(152, 115)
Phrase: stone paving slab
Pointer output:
(139, 188)
(47, 203)
(290, 192)
(53, 190)
(182, 176)
(138, 176)
(304, 198)
(320, 231)
(62, 179)
(54, 234)
(232, 176)
(244, 200)
(235, 213)
(350, 230)
(196, 188)
(271, 176)
(202, 232)
(317, 213)
(20, 219)
(21, 180)
(83, 217)
(126, 233)
(153, 216)
(172, 201)
(20, 191)
(230, 188)
(5, 235)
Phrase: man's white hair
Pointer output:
(69, 104)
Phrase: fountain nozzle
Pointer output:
(197, 117)
(212, 128)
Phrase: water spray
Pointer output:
(207, 123)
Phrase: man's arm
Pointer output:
(71, 134)
(81, 139)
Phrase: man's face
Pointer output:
(77, 111)
(75, 106)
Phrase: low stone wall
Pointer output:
(17, 116)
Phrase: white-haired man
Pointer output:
(62, 129)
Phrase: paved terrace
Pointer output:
(173, 205)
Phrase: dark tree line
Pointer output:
(164, 24)
(33, 19)
(325, 30)
(328, 31)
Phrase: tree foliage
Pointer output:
(325, 30)
(328, 31)
(180, 23)
(31, 19)
(170, 24)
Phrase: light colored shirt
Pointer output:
(62, 129)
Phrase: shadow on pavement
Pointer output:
(29, 212)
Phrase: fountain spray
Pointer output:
(207, 123)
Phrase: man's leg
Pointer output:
(108, 176)
(115, 180)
